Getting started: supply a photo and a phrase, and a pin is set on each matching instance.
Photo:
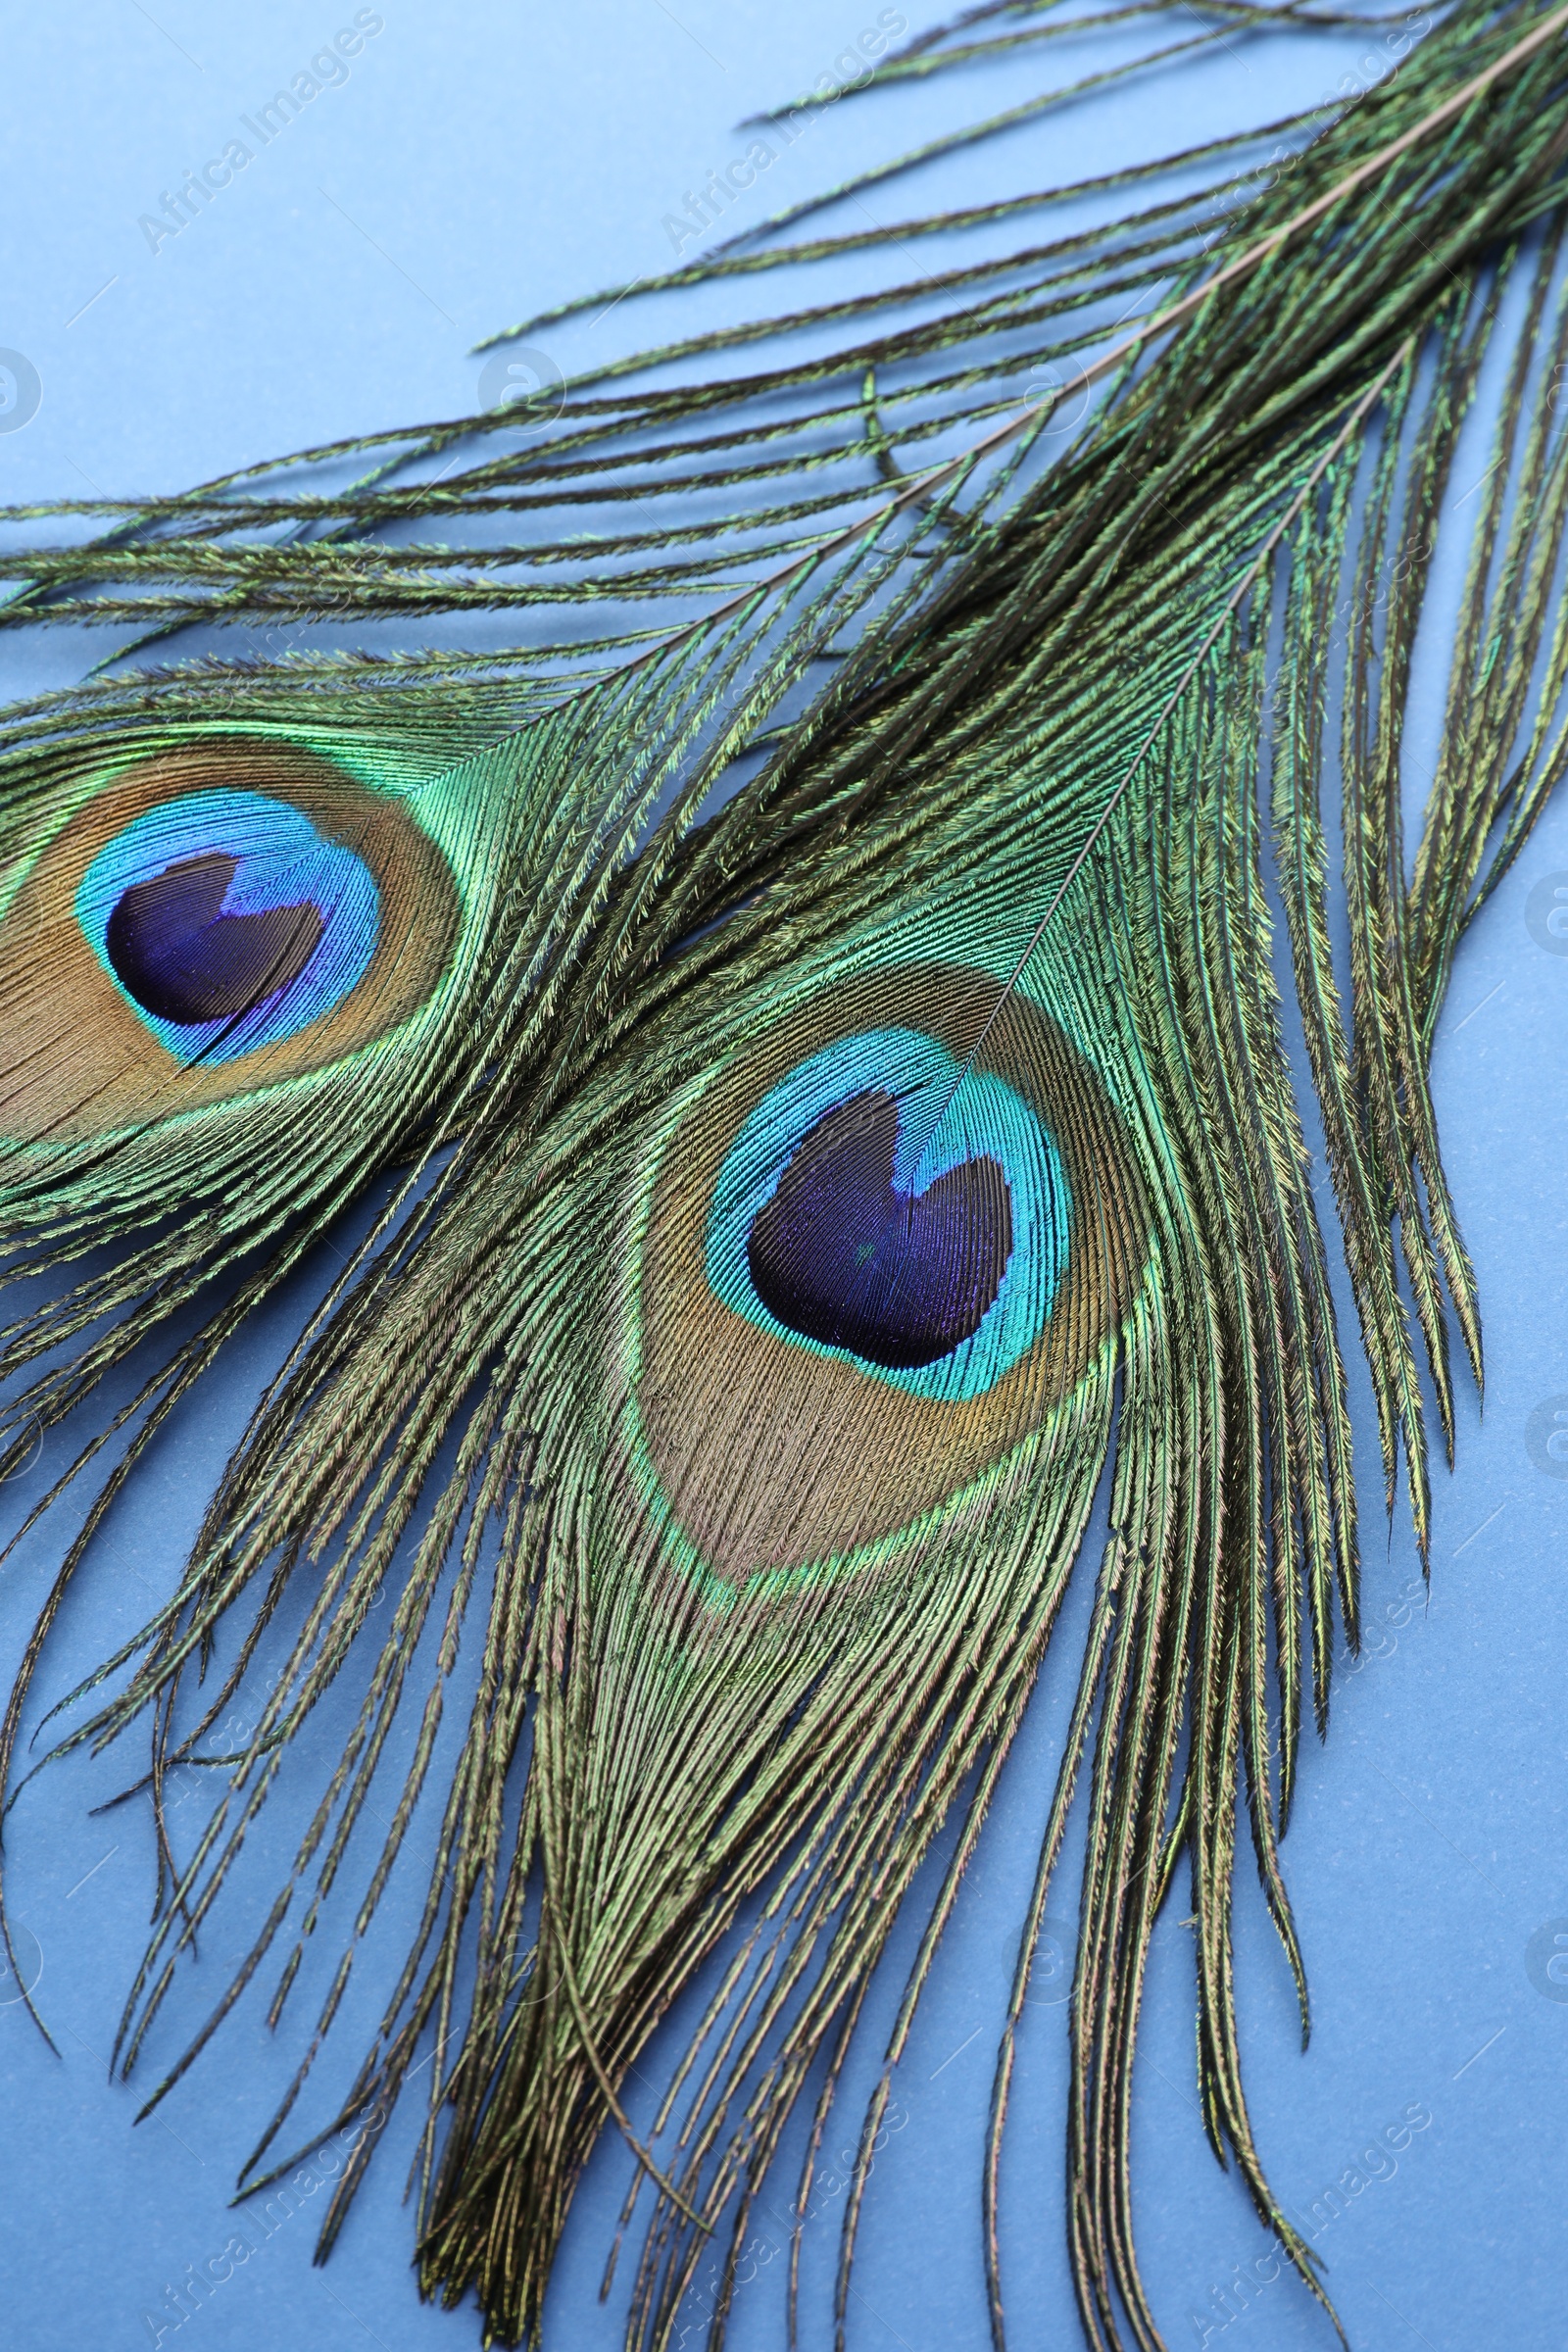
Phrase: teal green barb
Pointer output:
(811, 1001)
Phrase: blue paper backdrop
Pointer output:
(473, 165)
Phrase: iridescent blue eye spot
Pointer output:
(228, 921)
(841, 1254)
(856, 1216)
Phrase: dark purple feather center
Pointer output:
(842, 1256)
(183, 960)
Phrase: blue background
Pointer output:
(477, 165)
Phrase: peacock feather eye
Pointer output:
(872, 1268)
(229, 922)
(209, 920)
(887, 1205)
(900, 1276)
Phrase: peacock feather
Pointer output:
(809, 1018)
